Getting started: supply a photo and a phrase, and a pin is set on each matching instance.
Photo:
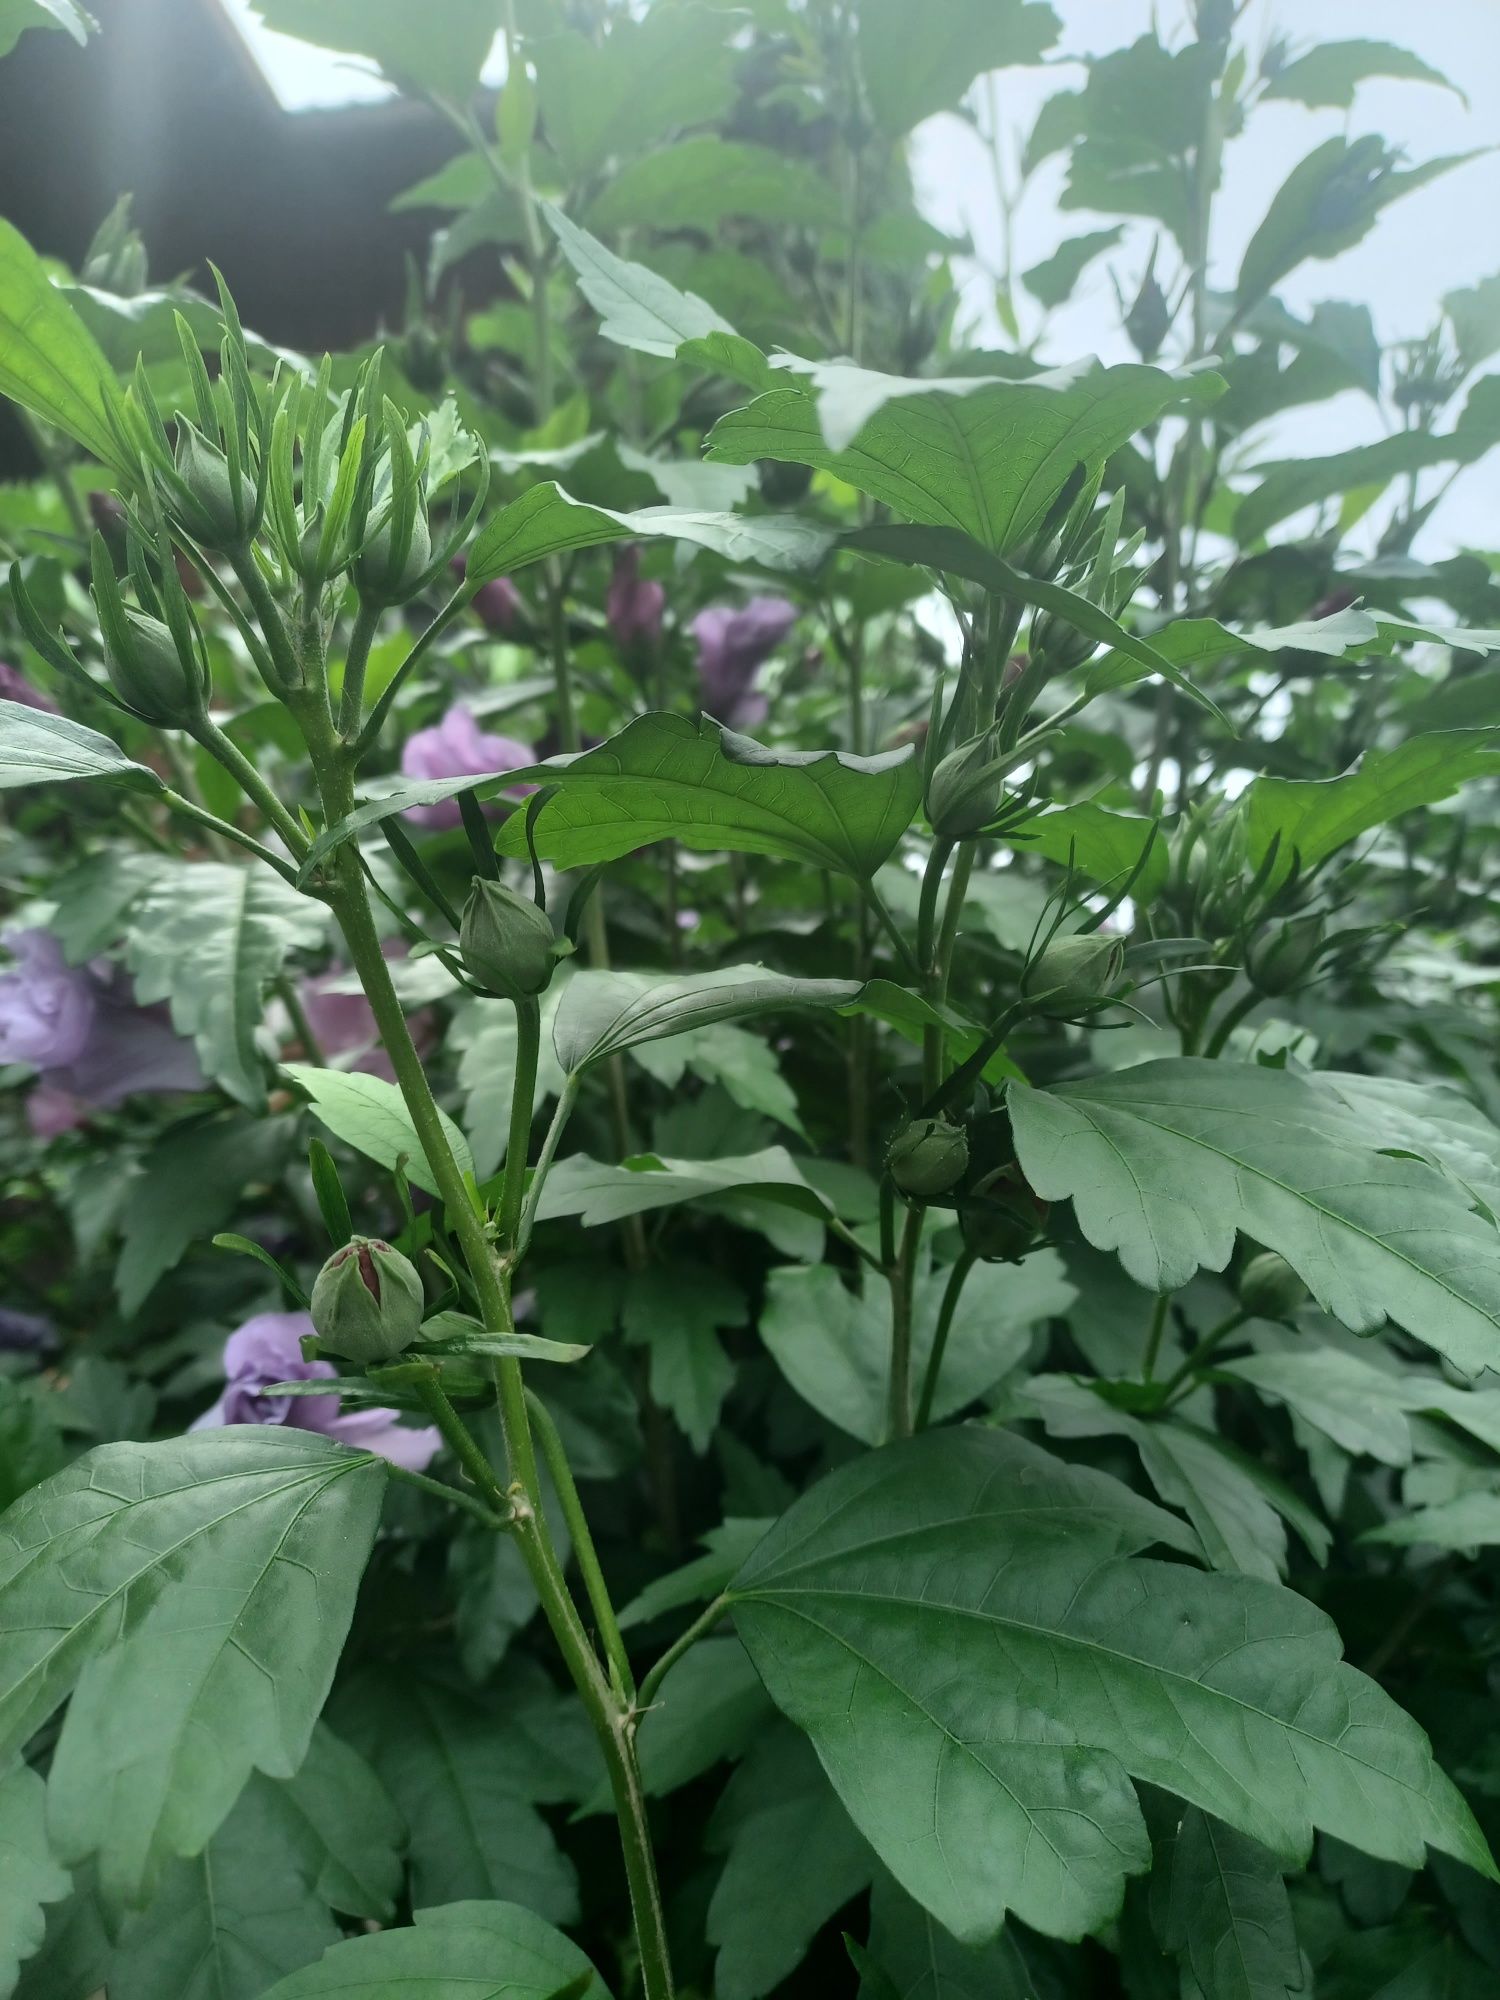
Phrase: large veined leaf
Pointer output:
(702, 181)
(603, 1013)
(29, 1876)
(369, 1113)
(598, 1194)
(192, 1596)
(208, 937)
(983, 455)
(546, 521)
(49, 361)
(41, 749)
(667, 778)
(982, 1661)
(1314, 817)
(1167, 1162)
(613, 99)
(462, 1951)
(911, 1952)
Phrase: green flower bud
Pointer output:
(1270, 1288)
(387, 573)
(964, 795)
(215, 514)
(146, 670)
(367, 1302)
(506, 942)
(1075, 971)
(1279, 963)
(1003, 1218)
(928, 1158)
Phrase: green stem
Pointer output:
(1229, 1020)
(564, 1111)
(903, 1282)
(1154, 1334)
(522, 1108)
(450, 1495)
(352, 700)
(268, 615)
(185, 808)
(556, 1459)
(951, 1294)
(701, 1625)
(252, 784)
(369, 735)
(1208, 1345)
(302, 1027)
(887, 923)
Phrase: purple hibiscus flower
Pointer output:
(25, 1333)
(268, 1349)
(80, 1027)
(14, 686)
(456, 747)
(343, 1025)
(633, 604)
(734, 643)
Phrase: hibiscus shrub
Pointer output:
(751, 1232)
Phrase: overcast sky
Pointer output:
(1442, 236)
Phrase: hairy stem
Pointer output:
(583, 1545)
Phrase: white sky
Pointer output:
(1442, 236)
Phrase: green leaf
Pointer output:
(1470, 1521)
(463, 1784)
(189, 1184)
(368, 1114)
(665, 777)
(208, 937)
(545, 521)
(1051, 282)
(599, 1194)
(700, 1580)
(16, 16)
(1329, 202)
(1362, 1408)
(1219, 1904)
(1329, 72)
(640, 310)
(462, 1951)
(615, 97)
(923, 1961)
(982, 455)
(41, 749)
(961, 1625)
(1165, 1162)
(29, 1877)
(676, 1316)
(1105, 845)
(193, 1597)
(710, 1707)
(1474, 312)
(745, 1065)
(603, 1013)
(834, 1345)
(910, 1014)
(49, 361)
(442, 52)
(699, 183)
(1314, 817)
(764, 1916)
(907, 77)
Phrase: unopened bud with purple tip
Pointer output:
(367, 1302)
(633, 604)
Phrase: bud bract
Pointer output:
(928, 1158)
(1270, 1288)
(367, 1302)
(392, 564)
(1279, 962)
(147, 671)
(218, 511)
(1003, 1217)
(506, 942)
(1075, 971)
(964, 795)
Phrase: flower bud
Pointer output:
(218, 512)
(507, 943)
(388, 574)
(928, 1158)
(1279, 963)
(964, 795)
(1075, 971)
(367, 1302)
(1003, 1218)
(1270, 1288)
(147, 672)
